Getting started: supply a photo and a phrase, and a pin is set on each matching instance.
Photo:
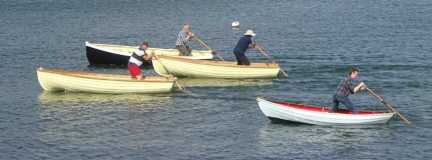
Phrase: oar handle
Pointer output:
(263, 52)
(205, 45)
(389, 106)
(202, 43)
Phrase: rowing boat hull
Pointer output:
(107, 54)
(213, 82)
(319, 116)
(61, 80)
(164, 65)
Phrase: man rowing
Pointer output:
(242, 46)
(345, 88)
(137, 59)
(183, 37)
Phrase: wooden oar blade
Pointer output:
(389, 106)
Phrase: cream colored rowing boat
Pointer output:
(165, 65)
(217, 82)
(78, 81)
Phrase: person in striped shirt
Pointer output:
(137, 59)
(344, 89)
(183, 37)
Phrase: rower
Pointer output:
(344, 89)
(137, 59)
(183, 37)
(243, 44)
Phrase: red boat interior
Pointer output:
(320, 109)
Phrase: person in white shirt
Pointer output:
(137, 59)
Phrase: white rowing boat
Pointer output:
(318, 115)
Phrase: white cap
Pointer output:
(235, 24)
(250, 33)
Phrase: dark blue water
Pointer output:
(315, 41)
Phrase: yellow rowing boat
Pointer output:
(166, 65)
(217, 82)
(79, 81)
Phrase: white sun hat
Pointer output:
(250, 33)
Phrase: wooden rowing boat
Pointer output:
(166, 65)
(79, 81)
(207, 82)
(109, 54)
(288, 111)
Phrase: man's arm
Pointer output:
(148, 57)
(253, 43)
(189, 35)
(359, 87)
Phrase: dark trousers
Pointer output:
(241, 59)
(184, 50)
(345, 101)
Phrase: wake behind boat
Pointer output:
(318, 115)
(109, 54)
(79, 81)
(165, 65)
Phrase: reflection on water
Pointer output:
(47, 98)
(331, 140)
(70, 119)
(194, 82)
(322, 134)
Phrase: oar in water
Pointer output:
(175, 82)
(205, 45)
(263, 52)
(389, 106)
(180, 87)
(169, 75)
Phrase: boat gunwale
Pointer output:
(221, 63)
(109, 48)
(110, 77)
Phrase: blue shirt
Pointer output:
(243, 44)
(345, 87)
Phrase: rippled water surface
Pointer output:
(315, 41)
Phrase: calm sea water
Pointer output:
(315, 41)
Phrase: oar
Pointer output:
(208, 47)
(178, 85)
(389, 106)
(263, 52)
(175, 82)
(168, 76)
